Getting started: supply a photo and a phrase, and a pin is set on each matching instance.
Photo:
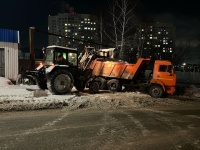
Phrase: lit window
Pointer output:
(85, 28)
(166, 32)
(81, 21)
(150, 37)
(82, 37)
(75, 33)
(142, 29)
(94, 28)
(159, 32)
(85, 19)
(158, 45)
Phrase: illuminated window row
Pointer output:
(88, 22)
(88, 28)
(86, 37)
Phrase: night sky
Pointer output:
(21, 14)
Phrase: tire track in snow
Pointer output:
(20, 137)
(118, 134)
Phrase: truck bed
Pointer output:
(117, 69)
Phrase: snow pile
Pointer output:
(192, 91)
(20, 97)
(4, 82)
(188, 91)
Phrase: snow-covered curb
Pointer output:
(23, 99)
(15, 97)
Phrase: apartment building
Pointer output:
(156, 40)
(71, 25)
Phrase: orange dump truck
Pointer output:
(115, 74)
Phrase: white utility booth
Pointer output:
(9, 47)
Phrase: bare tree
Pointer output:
(181, 52)
(120, 28)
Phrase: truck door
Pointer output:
(166, 74)
(2, 63)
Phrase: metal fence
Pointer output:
(184, 77)
(188, 77)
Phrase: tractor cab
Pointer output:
(58, 55)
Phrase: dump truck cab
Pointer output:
(163, 79)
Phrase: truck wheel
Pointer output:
(60, 82)
(156, 91)
(102, 82)
(113, 85)
(94, 87)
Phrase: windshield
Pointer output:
(49, 57)
(72, 58)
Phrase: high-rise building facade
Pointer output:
(72, 25)
(156, 40)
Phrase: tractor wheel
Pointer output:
(28, 80)
(113, 85)
(94, 87)
(60, 82)
(102, 82)
(156, 91)
(41, 84)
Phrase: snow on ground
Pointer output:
(21, 97)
